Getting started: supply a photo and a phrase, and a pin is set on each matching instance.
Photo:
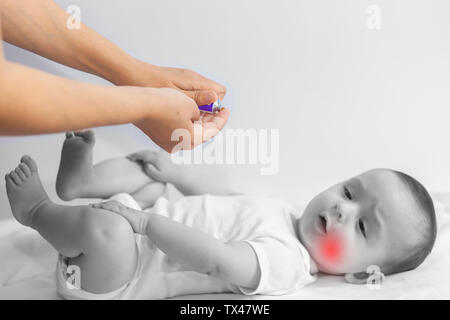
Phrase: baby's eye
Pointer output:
(347, 193)
(362, 227)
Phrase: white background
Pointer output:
(345, 98)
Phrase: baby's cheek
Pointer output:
(331, 248)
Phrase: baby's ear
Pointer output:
(357, 278)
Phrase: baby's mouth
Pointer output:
(323, 224)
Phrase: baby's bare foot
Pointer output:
(76, 166)
(25, 191)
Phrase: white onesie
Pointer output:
(267, 223)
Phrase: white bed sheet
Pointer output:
(27, 264)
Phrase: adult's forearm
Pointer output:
(40, 26)
(45, 103)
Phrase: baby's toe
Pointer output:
(15, 178)
(9, 181)
(30, 163)
(20, 173)
(87, 135)
(69, 134)
(25, 169)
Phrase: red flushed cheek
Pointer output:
(330, 247)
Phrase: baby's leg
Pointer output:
(79, 178)
(100, 243)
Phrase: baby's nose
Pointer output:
(330, 219)
(342, 212)
(347, 212)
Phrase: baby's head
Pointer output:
(381, 217)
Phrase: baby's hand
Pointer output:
(137, 219)
(157, 165)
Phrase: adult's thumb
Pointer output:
(204, 97)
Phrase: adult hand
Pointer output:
(202, 90)
(176, 123)
(158, 165)
(53, 104)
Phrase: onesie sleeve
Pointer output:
(284, 266)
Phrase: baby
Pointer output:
(213, 239)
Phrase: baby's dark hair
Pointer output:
(417, 253)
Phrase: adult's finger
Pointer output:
(192, 81)
(214, 124)
(202, 97)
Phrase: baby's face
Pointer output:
(363, 221)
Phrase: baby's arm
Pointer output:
(232, 262)
(189, 181)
